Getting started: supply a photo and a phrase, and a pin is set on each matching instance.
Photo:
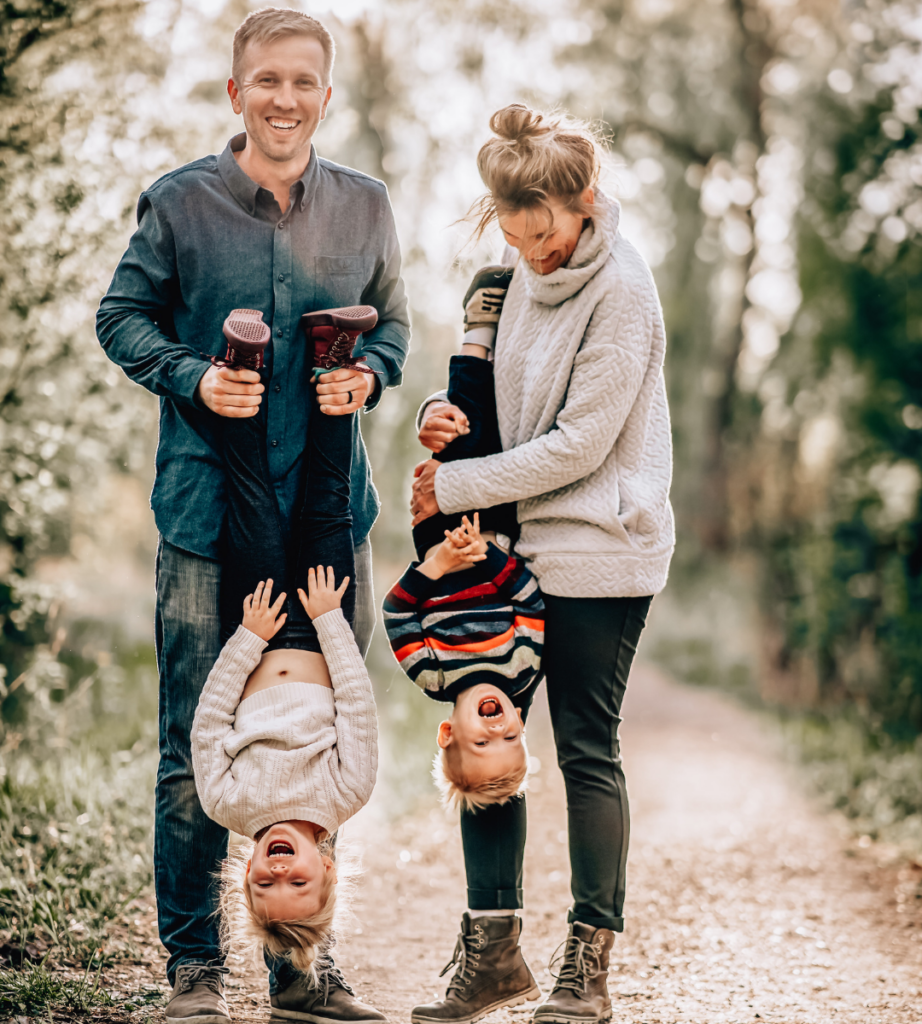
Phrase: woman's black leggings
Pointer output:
(589, 645)
(255, 538)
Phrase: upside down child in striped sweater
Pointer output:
(466, 621)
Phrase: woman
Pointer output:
(587, 456)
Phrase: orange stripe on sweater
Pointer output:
(405, 652)
(536, 624)
(479, 645)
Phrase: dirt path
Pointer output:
(745, 903)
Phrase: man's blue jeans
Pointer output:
(188, 845)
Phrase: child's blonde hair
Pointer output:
(534, 157)
(300, 940)
(459, 791)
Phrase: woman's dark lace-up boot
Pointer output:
(198, 995)
(490, 972)
(580, 995)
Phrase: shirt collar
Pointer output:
(244, 189)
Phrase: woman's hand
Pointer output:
(424, 502)
(442, 423)
(322, 593)
(259, 614)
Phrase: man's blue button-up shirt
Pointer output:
(209, 240)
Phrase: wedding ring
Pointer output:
(350, 399)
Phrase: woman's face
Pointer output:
(547, 242)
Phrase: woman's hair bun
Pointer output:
(518, 123)
(534, 157)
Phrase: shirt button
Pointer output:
(275, 444)
(279, 332)
(278, 388)
(281, 225)
(287, 644)
(281, 277)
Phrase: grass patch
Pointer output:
(36, 990)
(76, 801)
(873, 780)
(74, 845)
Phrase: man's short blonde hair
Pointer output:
(242, 927)
(459, 790)
(270, 23)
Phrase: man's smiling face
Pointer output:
(283, 96)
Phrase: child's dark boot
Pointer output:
(333, 334)
(247, 336)
(483, 301)
(490, 972)
(580, 995)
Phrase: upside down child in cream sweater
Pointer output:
(285, 758)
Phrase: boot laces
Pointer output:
(580, 962)
(329, 976)
(465, 958)
(201, 974)
(237, 360)
(340, 354)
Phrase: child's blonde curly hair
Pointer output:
(300, 940)
(460, 791)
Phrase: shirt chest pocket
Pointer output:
(339, 280)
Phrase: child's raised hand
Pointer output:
(262, 617)
(462, 546)
(474, 541)
(322, 593)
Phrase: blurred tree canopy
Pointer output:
(767, 156)
(70, 76)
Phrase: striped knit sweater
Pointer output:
(484, 624)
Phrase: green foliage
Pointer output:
(844, 564)
(74, 844)
(872, 780)
(36, 990)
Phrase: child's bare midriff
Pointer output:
(287, 666)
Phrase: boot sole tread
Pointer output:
(201, 1018)
(525, 997)
(562, 1018)
(316, 1018)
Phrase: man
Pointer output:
(266, 225)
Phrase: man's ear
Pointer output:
(444, 736)
(518, 711)
(326, 102)
(234, 94)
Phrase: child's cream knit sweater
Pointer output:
(294, 751)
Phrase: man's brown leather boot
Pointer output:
(325, 999)
(198, 995)
(581, 993)
(490, 972)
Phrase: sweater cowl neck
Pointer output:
(591, 252)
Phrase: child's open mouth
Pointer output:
(490, 707)
(281, 848)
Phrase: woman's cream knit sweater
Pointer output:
(296, 751)
(583, 420)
